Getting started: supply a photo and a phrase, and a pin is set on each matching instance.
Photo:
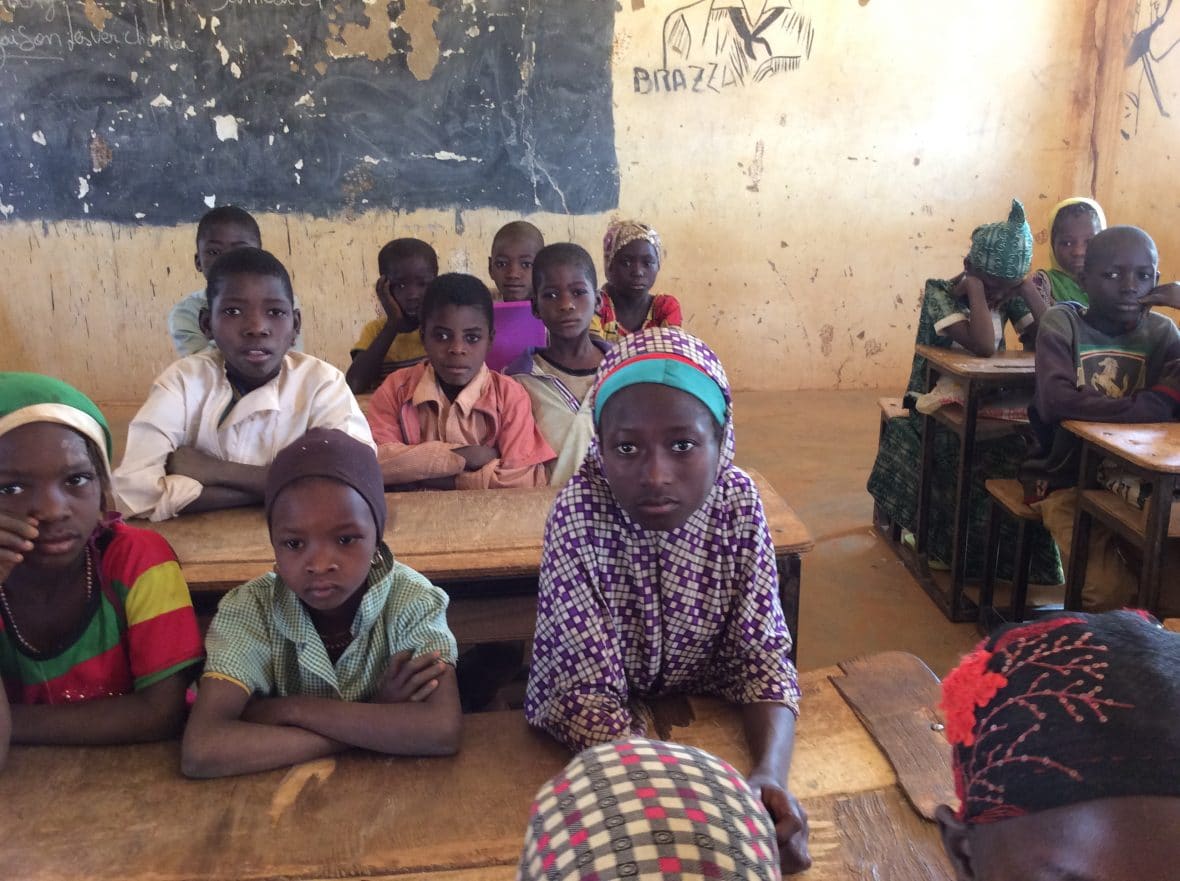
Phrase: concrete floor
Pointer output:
(817, 448)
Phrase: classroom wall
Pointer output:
(801, 214)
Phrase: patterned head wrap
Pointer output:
(1003, 249)
(621, 233)
(1057, 209)
(31, 397)
(329, 452)
(1069, 709)
(644, 809)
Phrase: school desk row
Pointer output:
(870, 765)
(1150, 451)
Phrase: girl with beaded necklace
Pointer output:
(97, 632)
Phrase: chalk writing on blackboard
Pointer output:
(153, 109)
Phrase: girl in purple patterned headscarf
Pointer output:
(658, 572)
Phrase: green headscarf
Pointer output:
(1003, 249)
(32, 397)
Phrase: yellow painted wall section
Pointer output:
(801, 213)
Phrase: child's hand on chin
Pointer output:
(16, 540)
(1163, 295)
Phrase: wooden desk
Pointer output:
(126, 814)
(1152, 452)
(453, 538)
(1007, 369)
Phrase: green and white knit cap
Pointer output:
(1003, 249)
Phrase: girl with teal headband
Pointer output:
(658, 573)
(97, 631)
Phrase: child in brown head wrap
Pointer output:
(1066, 757)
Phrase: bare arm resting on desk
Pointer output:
(770, 733)
(153, 713)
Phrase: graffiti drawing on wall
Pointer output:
(1141, 53)
(710, 45)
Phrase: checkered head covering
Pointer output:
(1069, 709)
(1003, 249)
(621, 233)
(645, 810)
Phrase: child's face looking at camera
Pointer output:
(565, 301)
(408, 279)
(633, 270)
(324, 538)
(660, 449)
(254, 323)
(220, 238)
(1071, 235)
(456, 339)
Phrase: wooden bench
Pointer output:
(1007, 497)
(868, 766)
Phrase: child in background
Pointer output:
(1072, 224)
(559, 376)
(1112, 362)
(632, 255)
(658, 573)
(341, 646)
(387, 344)
(213, 422)
(966, 312)
(451, 423)
(511, 266)
(1065, 752)
(98, 639)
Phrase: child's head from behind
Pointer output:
(251, 314)
(1065, 751)
(221, 230)
(409, 265)
(1122, 266)
(54, 465)
(325, 508)
(1075, 221)
(565, 290)
(663, 427)
(457, 327)
(1001, 253)
(631, 256)
(510, 264)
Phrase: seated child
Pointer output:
(1065, 752)
(98, 639)
(450, 423)
(644, 809)
(658, 573)
(511, 267)
(1072, 224)
(559, 377)
(213, 422)
(387, 344)
(220, 230)
(341, 646)
(968, 312)
(631, 255)
(1112, 362)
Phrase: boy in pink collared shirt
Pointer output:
(450, 423)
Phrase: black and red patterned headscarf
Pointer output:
(1069, 709)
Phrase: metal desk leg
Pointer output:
(960, 536)
(1159, 510)
(790, 574)
(1079, 553)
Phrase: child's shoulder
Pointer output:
(410, 589)
(129, 551)
(505, 389)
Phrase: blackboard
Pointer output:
(151, 110)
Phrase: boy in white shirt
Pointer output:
(213, 421)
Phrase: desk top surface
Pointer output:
(1152, 447)
(446, 536)
(1017, 367)
(93, 814)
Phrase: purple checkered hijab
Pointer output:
(625, 612)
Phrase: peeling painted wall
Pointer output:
(803, 198)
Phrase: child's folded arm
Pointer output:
(494, 475)
(218, 743)
(152, 713)
(409, 463)
(141, 482)
(523, 450)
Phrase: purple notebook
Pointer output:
(517, 329)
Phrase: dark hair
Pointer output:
(517, 229)
(1098, 248)
(456, 289)
(1074, 209)
(228, 214)
(246, 261)
(563, 254)
(401, 249)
